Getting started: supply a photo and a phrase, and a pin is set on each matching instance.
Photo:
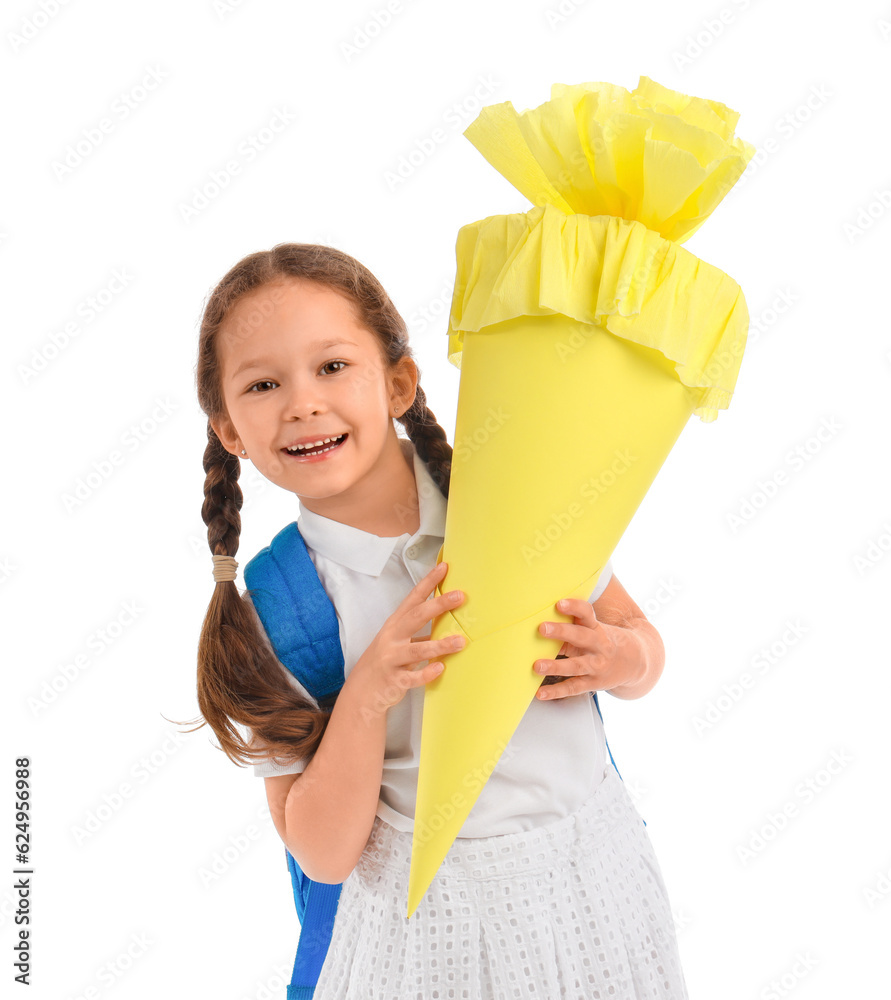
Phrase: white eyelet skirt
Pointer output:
(572, 910)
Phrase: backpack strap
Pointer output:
(316, 907)
(297, 614)
(301, 623)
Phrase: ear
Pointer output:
(404, 383)
(228, 438)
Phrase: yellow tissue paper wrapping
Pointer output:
(586, 338)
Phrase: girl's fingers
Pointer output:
(430, 672)
(579, 635)
(438, 570)
(407, 677)
(424, 586)
(436, 647)
(418, 612)
(417, 596)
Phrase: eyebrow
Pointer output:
(261, 362)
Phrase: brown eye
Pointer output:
(327, 363)
(265, 381)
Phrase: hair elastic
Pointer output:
(224, 568)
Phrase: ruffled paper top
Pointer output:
(619, 180)
(607, 272)
(652, 155)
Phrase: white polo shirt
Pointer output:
(557, 754)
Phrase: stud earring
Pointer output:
(243, 452)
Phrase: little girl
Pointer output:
(552, 889)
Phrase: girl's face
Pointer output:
(298, 367)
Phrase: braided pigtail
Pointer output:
(429, 439)
(240, 680)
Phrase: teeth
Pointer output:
(314, 444)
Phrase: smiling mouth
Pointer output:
(304, 454)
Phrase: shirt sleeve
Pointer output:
(604, 578)
(268, 768)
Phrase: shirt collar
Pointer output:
(362, 551)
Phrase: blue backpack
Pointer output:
(301, 624)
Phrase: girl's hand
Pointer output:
(598, 656)
(387, 663)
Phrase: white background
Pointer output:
(128, 817)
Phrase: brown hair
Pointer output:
(240, 680)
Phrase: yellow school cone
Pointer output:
(586, 338)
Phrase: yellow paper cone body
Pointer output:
(546, 535)
(585, 343)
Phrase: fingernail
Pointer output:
(546, 628)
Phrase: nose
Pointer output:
(304, 398)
